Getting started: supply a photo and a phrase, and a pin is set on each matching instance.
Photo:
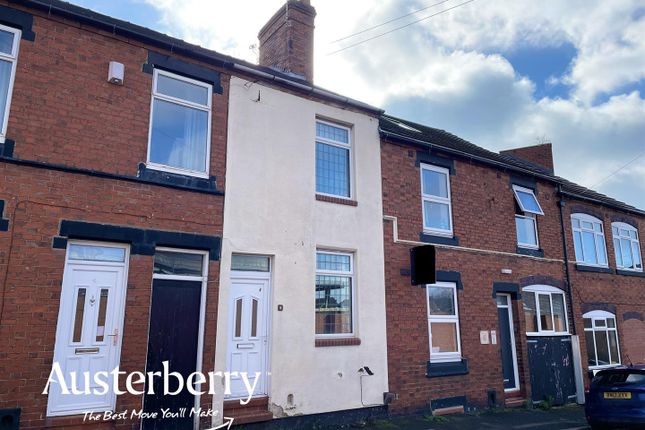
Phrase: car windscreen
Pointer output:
(620, 377)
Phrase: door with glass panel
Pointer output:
(507, 342)
(248, 325)
(90, 321)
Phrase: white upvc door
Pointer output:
(248, 333)
(89, 330)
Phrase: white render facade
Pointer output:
(271, 210)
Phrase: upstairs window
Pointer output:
(526, 213)
(180, 124)
(435, 198)
(443, 322)
(601, 338)
(545, 311)
(589, 240)
(334, 293)
(333, 160)
(9, 42)
(626, 247)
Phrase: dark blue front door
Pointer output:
(506, 341)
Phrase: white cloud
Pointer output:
(450, 72)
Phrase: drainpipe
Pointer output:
(561, 204)
(575, 341)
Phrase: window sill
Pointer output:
(337, 200)
(594, 269)
(6, 147)
(450, 368)
(175, 179)
(630, 273)
(534, 252)
(548, 334)
(337, 341)
(439, 240)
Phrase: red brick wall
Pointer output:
(38, 199)
(483, 218)
(483, 204)
(593, 290)
(64, 112)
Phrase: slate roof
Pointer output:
(423, 135)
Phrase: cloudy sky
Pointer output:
(500, 73)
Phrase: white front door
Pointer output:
(90, 319)
(248, 338)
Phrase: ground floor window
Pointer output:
(443, 322)
(334, 293)
(601, 337)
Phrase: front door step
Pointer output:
(256, 410)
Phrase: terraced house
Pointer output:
(166, 208)
(114, 156)
(539, 280)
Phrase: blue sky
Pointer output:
(501, 74)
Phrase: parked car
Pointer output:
(616, 398)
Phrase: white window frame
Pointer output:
(13, 58)
(436, 199)
(348, 274)
(603, 315)
(516, 189)
(349, 146)
(550, 291)
(623, 226)
(443, 357)
(536, 245)
(206, 108)
(588, 218)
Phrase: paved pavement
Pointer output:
(564, 418)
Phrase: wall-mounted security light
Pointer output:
(116, 72)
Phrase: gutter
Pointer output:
(307, 88)
(183, 48)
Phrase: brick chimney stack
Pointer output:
(541, 155)
(287, 39)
